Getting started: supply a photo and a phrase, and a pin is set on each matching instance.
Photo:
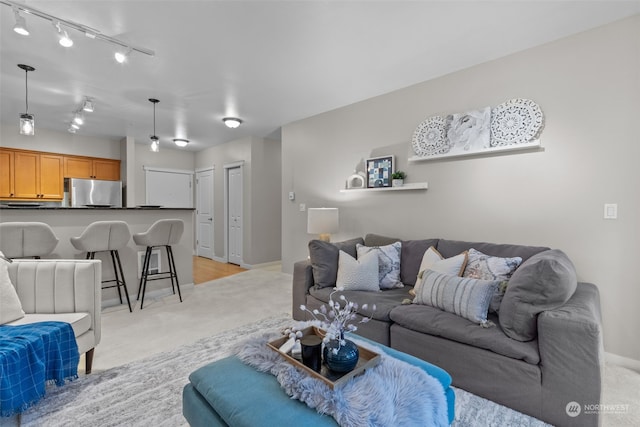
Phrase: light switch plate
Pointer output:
(610, 211)
(303, 207)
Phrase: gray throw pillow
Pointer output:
(324, 259)
(468, 298)
(543, 282)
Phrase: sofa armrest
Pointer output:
(60, 286)
(302, 281)
(572, 357)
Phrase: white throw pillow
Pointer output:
(358, 274)
(432, 260)
(10, 306)
(388, 263)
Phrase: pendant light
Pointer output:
(155, 141)
(27, 121)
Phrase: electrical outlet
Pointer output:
(303, 207)
(610, 211)
(292, 195)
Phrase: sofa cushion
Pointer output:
(545, 281)
(433, 321)
(449, 248)
(385, 300)
(324, 259)
(80, 322)
(388, 263)
(465, 297)
(358, 274)
(10, 306)
(410, 257)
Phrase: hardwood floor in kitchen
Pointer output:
(205, 269)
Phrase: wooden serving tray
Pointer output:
(367, 359)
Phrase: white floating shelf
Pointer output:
(405, 187)
(492, 150)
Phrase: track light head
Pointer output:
(78, 118)
(21, 23)
(63, 37)
(88, 105)
(121, 57)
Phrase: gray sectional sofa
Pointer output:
(542, 354)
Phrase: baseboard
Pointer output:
(157, 293)
(219, 259)
(262, 265)
(625, 362)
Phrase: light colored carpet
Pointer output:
(148, 392)
(209, 310)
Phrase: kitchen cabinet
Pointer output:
(35, 176)
(91, 168)
(7, 188)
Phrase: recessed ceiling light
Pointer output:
(232, 122)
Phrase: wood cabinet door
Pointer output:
(6, 174)
(26, 175)
(106, 169)
(78, 167)
(51, 184)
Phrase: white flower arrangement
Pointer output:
(336, 319)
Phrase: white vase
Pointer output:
(397, 182)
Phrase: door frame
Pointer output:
(212, 195)
(227, 167)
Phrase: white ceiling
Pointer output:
(268, 62)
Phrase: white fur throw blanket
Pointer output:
(393, 393)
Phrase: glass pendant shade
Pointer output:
(27, 124)
(155, 144)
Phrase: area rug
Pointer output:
(148, 392)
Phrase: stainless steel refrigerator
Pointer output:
(95, 193)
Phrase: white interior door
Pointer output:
(234, 214)
(204, 213)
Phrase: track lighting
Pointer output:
(78, 118)
(232, 122)
(88, 105)
(27, 121)
(74, 126)
(72, 129)
(180, 142)
(155, 141)
(21, 28)
(21, 24)
(121, 57)
(64, 39)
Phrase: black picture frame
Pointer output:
(379, 171)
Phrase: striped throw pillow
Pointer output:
(466, 297)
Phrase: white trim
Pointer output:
(219, 259)
(197, 213)
(261, 265)
(205, 169)
(625, 362)
(239, 163)
(155, 169)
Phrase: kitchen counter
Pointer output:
(145, 208)
(70, 222)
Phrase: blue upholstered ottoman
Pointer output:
(229, 393)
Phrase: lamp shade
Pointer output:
(322, 221)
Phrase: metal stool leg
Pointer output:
(145, 274)
(122, 281)
(144, 268)
(115, 272)
(174, 272)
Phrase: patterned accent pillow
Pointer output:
(358, 275)
(466, 297)
(10, 306)
(486, 267)
(388, 263)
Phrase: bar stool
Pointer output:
(26, 239)
(162, 233)
(102, 236)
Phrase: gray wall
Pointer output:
(588, 86)
(261, 198)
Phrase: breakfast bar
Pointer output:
(68, 222)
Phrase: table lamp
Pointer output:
(322, 221)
